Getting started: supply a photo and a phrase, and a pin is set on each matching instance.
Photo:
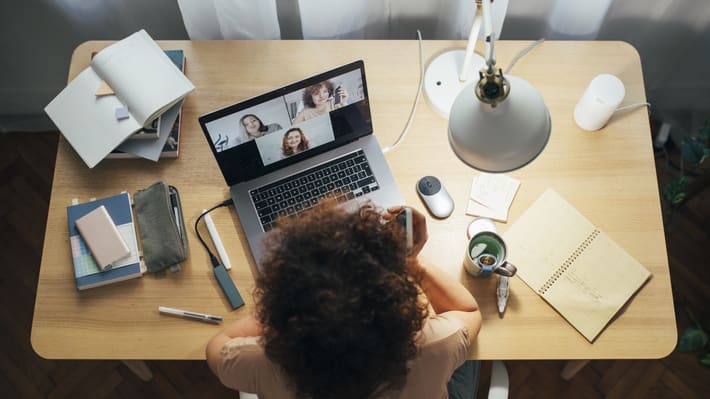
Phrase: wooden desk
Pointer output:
(608, 175)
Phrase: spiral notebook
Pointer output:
(572, 264)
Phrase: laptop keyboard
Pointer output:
(343, 178)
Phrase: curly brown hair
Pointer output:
(338, 304)
(309, 91)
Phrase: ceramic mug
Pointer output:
(485, 254)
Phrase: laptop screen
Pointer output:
(276, 129)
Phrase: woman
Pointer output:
(342, 311)
(254, 127)
(294, 142)
(321, 98)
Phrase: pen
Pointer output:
(216, 240)
(193, 315)
(502, 294)
(173, 202)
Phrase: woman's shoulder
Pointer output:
(441, 328)
(244, 366)
(242, 344)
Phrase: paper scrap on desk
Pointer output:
(491, 196)
(103, 90)
(122, 113)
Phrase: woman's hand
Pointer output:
(343, 96)
(419, 229)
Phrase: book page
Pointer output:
(142, 76)
(88, 122)
(574, 266)
(544, 237)
(596, 285)
(151, 149)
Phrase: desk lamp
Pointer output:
(449, 72)
(499, 123)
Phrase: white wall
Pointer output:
(37, 38)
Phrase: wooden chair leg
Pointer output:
(139, 368)
(571, 368)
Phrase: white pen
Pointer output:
(193, 315)
(502, 294)
(173, 202)
(217, 241)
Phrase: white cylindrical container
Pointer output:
(599, 101)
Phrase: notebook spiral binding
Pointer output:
(570, 260)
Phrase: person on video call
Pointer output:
(253, 127)
(321, 98)
(342, 311)
(294, 142)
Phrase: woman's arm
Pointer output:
(448, 296)
(445, 293)
(343, 97)
(300, 117)
(247, 326)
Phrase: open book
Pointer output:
(166, 145)
(144, 80)
(572, 264)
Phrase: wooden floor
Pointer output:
(26, 169)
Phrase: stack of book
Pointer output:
(87, 272)
(126, 104)
(164, 129)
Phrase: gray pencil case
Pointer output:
(161, 226)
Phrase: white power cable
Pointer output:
(416, 99)
(522, 54)
(632, 106)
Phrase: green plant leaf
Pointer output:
(676, 191)
(705, 131)
(693, 339)
(694, 150)
(705, 360)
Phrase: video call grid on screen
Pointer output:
(285, 127)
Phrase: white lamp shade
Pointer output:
(501, 138)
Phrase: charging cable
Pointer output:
(213, 258)
(399, 140)
(416, 98)
(220, 272)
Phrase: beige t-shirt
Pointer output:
(443, 347)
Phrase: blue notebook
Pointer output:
(86, 271)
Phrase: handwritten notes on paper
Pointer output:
(577, 268)
(491, 196)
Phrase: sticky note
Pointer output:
(122, 113)
(491, 196)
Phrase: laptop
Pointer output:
(283, 151)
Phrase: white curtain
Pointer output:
(672, 36)
(333, 19)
